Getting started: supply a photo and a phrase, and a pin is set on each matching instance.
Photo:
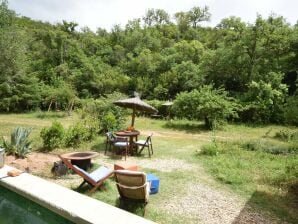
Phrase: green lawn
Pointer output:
(262, 180)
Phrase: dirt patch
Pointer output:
(34, 163)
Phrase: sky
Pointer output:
(107, 13)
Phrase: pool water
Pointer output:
(15, 209)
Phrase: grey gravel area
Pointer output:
(166, 165)
(214, 206)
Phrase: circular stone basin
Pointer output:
(79, 155)
(81, 159)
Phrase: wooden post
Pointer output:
(133, 117)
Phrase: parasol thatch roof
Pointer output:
(136, 104)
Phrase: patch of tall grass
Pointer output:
(264, 165)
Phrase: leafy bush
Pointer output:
(102, 111)
(77, 134)
(52, 136)
(216, 147)
(19, 144)
(109, 122)
(212, 105)
(211, 149)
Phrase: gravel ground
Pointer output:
(213, 206)
(166, 165)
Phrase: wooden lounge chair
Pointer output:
(94, 179)
(132, 186)
(145, 143)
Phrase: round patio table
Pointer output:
(131, 135)
(81, 159)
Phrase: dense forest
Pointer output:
(236, 70)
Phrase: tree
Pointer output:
(156, 17)
(183, 21)
(214, 106)
(182, 77)
(198, 14)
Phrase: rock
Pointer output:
(59, 168)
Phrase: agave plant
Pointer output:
(19, 142)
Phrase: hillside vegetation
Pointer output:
(253, 67)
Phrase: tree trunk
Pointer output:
(50, 105)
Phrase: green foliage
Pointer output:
(19, 144)
(258, 149)
(109, 122)
(53, 66)
(108, 116)
(53, 136)
(246, 170)
(264, 99)
(19, 90)
(212, 105)
(287, 135)
(211, 149)
(77, 134)
(291, 110)
(266, 146)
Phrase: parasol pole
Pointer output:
(133, 116)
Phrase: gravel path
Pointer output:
(213, 206)
(166, 165)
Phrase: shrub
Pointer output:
(215, 147)
(52, 137)
(102, 111)
(19, 145)
(109, 122)
(210, 149)
(77, 134)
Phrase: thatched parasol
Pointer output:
(135, 104)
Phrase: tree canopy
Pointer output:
(159, 55)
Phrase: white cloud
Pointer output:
(106, 13)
